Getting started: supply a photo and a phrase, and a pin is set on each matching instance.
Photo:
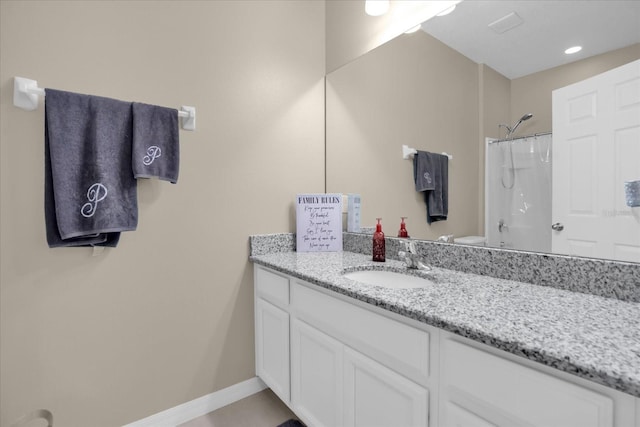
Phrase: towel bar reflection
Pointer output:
(26, 95)
(407, 152)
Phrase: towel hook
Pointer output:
(408, 152)
(188, 116)
(26, 93)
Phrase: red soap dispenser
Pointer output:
(378, 243)
(403, 228)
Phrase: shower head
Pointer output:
(522, 119)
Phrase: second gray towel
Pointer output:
(156, 145)
(90, 191)
(431, 176)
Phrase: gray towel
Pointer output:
(90, 191)
(431, 176)
(156, 145)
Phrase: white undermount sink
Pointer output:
(388, 279)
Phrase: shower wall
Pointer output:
(518, 193)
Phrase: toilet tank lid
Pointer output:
(470, 240)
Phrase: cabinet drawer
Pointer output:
(507, 393)
(272, 286)
(394, 344)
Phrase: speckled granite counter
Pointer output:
(587, 335)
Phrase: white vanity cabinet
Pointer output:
(336, 361)
(355, 368)
(482, 386)
(348, 365)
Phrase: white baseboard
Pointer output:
(202, 405)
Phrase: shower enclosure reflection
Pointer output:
(510, 132)
(518, 193)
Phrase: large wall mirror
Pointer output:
(448, 87)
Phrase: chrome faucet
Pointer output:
(411, 258)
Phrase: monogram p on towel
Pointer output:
(156, 144)
(90, 191)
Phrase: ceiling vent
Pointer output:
(506, 23)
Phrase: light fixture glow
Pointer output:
(447, 11)
(573, 49)
(412, 30)
(376, 7)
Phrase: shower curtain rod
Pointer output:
(520, 137)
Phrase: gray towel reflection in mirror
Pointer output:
(431, 177)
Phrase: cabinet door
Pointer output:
(272, 347)
(506, 393)
(456, 416)
(377, 396)
(316, 376)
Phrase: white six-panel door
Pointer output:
(596, 147)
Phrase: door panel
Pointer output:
(596, 147)
(376, 396)
(272, 347)
(316, 376)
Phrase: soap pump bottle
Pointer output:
(378, 243)
(403, 228)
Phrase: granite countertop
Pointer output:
(589, 336)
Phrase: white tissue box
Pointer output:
(353, 213)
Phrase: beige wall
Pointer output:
(168, 315)
(495, 90)
(349, 31)
(352, 33)
(415, 91)
(495, 102)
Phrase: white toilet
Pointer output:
(471, 240)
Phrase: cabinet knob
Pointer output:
(557, 227)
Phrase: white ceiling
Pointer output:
(548, 28)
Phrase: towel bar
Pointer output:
(408, 152)
(26, 95)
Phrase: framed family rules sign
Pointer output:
(319, 222)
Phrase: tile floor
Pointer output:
(262, 409)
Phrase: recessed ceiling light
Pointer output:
(447, 11)
(573, 49)
(376, 7)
